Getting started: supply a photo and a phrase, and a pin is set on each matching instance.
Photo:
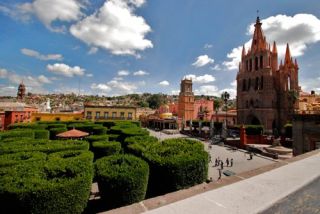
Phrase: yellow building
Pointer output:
(309, 103)
(96, 112)
(61, 116)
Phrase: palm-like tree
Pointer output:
(225, 97)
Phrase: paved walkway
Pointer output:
(252, 195)
(240, 157)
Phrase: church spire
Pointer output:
(243, 51)
(258, 40)
(287, 59)
(274, 48)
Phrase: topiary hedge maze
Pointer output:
(40, 175)
(122, 179)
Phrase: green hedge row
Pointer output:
(122, 179)
(174, 164)
(59, 185)
(21, 157)
(27, 126)
(93, 138)
(17, 134)
(55, 131)
(254, 129)
(42, 146)
(105, 148)
(139, 139)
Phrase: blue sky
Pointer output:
(116, 47)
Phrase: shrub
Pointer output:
(21, 157)
(106, 123)
(17, 134)
(93, 138)
(122, 179)
(41, 134)
(105, 148)
(254, 129)
(55, 131)
(43, 146)
(57, 125)
(113, 137)
(99, 130)
(174, 164)
(27, 126)
(17, 139)
(139, 139)
(81, 155)
(87, 127)
(54, 186)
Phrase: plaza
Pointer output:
(241, 158)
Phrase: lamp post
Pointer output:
(225, 97)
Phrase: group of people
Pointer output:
(220, 163)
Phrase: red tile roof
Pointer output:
(73, 133)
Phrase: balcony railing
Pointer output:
(110, 118)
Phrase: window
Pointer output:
(244, 85)
(256, 87)
(256, 63)
(89, 114)
(114, 115)
(122, 115)
(38, 118)
(250, 65)
(261, 83)
(129, 115)
(261, 61)
(249, 84)
(247, 65)
(98, 114)
(57, 119)
(106, 115)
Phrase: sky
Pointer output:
(116, 47)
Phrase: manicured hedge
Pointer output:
(93, 138)
(43, 146)
(113, 137)
(55, 131)
(122, 179)
(27, 126)
(21, 157)
(107, 123)
(127, 130)
(81, 155)
(139, 139)
(105, 148)
(53, 186)
(17, 134)
(254, 129)
(86, 127)
(174, 164)
(99, 130)
(41, 134)
(56, 125)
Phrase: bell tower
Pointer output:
(186, 100)
(21, 91)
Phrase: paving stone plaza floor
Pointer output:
(241, 162)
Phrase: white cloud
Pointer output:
(49, 11)
(89, 75)
(175, 92)
(299, 31)
(207, 90)
(8, 90)
(206, 78)
(234, 83)
(114, 88)
(37, 55)
(207, 46)
(123, 73)
(231, 91)
(140, 73)
(216, 68)
(118, 78)
(115, 27)
(33, 83)
(202, 61)
(164, 83)
(93, 50)
(65, 70)
(44, 79)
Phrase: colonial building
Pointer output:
(309, 103)
(60, 116)
(266, 91)
(96, 112)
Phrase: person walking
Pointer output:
(251, 155)
(231, 162)
(221, 164)
(227, 161)
(219, 174)
(216, 162)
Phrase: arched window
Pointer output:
(249, 84)
(261, 83)
(247, 65)
(256, 86)
(250, 65)
(256, 63)
(261, 61)
(289, 85)
(247, 104)
(244, 85)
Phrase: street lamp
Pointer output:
(225, 97)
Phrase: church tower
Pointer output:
(21, 91)
(264, 90)
(186, 100)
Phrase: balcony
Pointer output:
(112, 118)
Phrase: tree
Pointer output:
(155, 101)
